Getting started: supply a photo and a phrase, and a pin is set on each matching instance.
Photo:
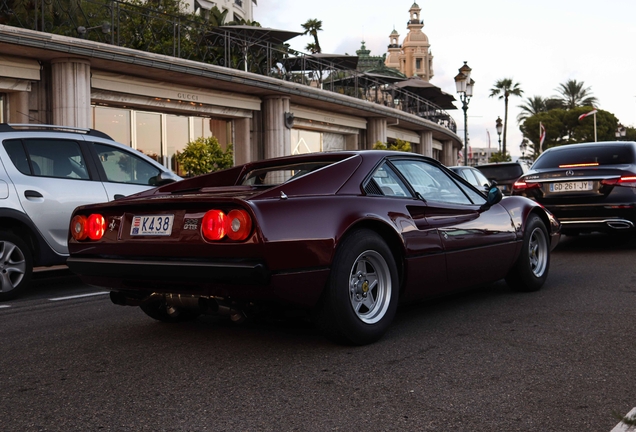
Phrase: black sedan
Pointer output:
(588, 187)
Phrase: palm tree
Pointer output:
(536, 104)
(575, 94)
(503, 89)
(312, 27)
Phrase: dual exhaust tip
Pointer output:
(202, 305)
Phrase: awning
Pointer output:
(321, 61)
(15, 67)
(427, 91)
(260, 34)
(366, 79)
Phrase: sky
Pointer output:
(538, 44)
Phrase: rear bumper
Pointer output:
(244, 281)
(599, 217)
(250, 273)
(598, 224)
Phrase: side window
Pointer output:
(124, 167)
(389, 182)
(470, 178)
(16, 153)
(474, 196)
(481, 179)
(56, 158)
(431, 182)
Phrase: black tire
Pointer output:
(161, 311)
(531, 269)
(16, 265)
(361, 296)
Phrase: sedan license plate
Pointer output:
(153, 225)
(573, 186)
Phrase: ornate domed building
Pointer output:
(413, 57)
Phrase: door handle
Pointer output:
(33, 194)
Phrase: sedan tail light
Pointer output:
(521, 185)
(237, 225)
(629, 181)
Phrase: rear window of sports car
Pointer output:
(275, 175)
(604, 154)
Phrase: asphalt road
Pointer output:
(561, 359)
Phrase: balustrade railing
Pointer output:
(149, 26)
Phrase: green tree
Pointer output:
(503, 89)
(499, 157)
(205, 155)
(574, 94)
(398, 145)
(312, 27)
(536, 104)
(563, 127)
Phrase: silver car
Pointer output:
(473, 176)
(45, 173)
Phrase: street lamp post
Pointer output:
(499, 126)
(465, 90)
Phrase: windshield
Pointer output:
(593, 155)
(273, 176)
(502, 172)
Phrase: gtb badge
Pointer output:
(191, 224)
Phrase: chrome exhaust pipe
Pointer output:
(126, 299)
(620, 224)
(204, 305)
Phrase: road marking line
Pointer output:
(622, 427)
(4, 306)
(79, 296)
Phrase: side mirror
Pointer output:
(164, 177)
(494, 196)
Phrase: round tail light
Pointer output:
(95, 226)
(78, 227)
(239, 225)
(213, 225)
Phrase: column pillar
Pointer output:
(18, 107)
(352, 142)
(276, 136)
(242, 143)
(71, 92)
(449, 155)
(376, 131)
(426, 143)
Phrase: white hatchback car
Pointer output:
(45, 173)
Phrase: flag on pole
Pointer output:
(541, 136)
(582, 116)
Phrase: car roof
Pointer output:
(565, 147)
(32, 127)
(497, 164)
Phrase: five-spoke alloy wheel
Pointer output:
(361, 297)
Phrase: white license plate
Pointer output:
(574, 186)
(152, 225)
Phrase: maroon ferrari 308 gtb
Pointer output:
(345, 235)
